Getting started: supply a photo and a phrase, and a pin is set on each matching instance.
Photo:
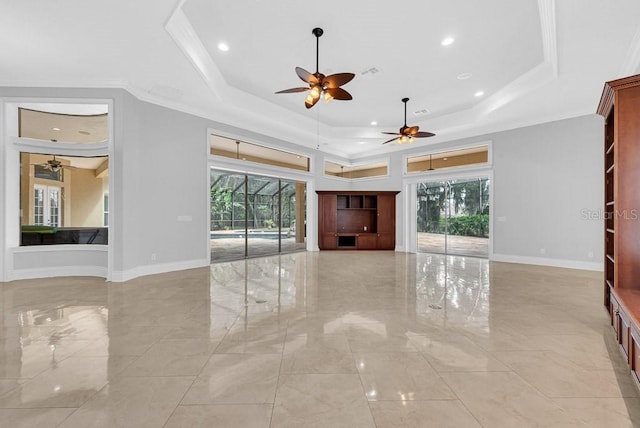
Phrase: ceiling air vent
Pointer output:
(369, 71)
(421, 112)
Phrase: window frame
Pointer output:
(10, 148)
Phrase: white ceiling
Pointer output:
(535, 60)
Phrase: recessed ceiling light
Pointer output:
(362, 142)
(84, 132)
(447, 41)
(56, 129)
(479, 93)
(374, 123)
(223, 46)
(464, 76)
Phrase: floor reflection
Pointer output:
(265, 341)
(453, 290)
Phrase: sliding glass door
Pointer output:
(255, 215)
(453, 217)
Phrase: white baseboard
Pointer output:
(50, 272)
(571, 264)
(126, 275)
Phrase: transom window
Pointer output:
(240, 150)
(363, 170)
(448, 159)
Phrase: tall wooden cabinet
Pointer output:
(620, 106)
(356, 220)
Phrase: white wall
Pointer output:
(164, 190)
(3, 241)
(546, 178)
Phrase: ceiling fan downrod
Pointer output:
(318, 32)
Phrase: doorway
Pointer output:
(453, 216)
(46, 205)
(255, 215)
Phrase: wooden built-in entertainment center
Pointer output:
(356, 220)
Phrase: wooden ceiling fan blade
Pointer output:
(292, 90)
(304, 75)
(391, 133)
(423, 134)
(307, 77)
(337, 80)
(339, 94)
(390, 140)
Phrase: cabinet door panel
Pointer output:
(328, 241)
(327, 227)
(386, 214)
(386, 222)
(328, 206)
(367, 241)
(386, 241)
(624, 334)
(635, 358)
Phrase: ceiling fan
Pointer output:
(407, 133)
(54, 165)
(319, 83)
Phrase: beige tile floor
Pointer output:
(329, 339)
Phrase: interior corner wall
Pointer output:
(123, 179)
(163, 195)
(548, 193)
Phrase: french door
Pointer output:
(47, 204)
(453, 217)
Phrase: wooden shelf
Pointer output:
(610, 148)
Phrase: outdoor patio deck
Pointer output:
(458, 245)
(233, 248)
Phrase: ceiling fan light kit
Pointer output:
(319, 84)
